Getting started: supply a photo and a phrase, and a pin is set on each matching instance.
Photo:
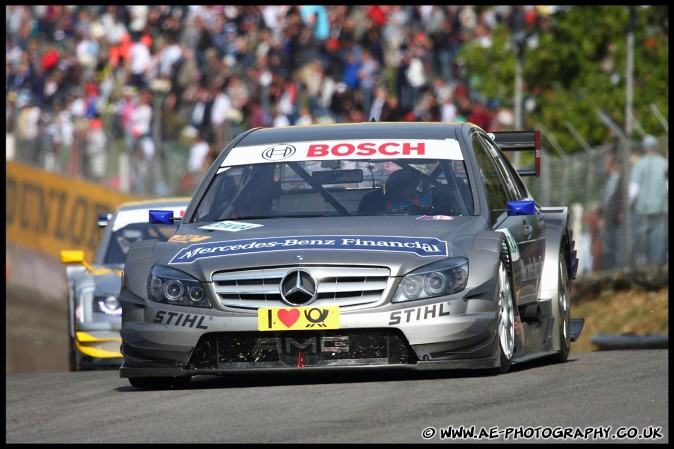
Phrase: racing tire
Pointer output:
(160, 383)
(564, 312)
(73, 357)
(506, 320)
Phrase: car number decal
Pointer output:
(298, 318)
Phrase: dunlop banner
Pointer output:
(48, 212)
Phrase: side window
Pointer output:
(496, 193)
(521, 187)
(506, 171)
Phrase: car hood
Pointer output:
(399, 243)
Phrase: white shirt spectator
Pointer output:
(221, 104)
(167, 59)
(114, 30)
(448, 111)
(415, 73)
(140, 58)
(198, 152)
(78, 108)
(141, 118)
(87, 52)
(138, 15)
(280, 119)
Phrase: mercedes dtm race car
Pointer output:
(93, 308)
(351, 246)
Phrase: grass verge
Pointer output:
(635, 310)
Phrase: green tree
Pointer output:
(575, 63)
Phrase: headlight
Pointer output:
(170, 286)
(436, 279)
(108, 305)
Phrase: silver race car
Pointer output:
(353, 246)
(93, 308)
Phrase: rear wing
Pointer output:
(521, 141)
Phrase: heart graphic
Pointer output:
(288, 316)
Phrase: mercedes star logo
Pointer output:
(298, 288)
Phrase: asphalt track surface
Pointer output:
(594, 397)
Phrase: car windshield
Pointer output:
(122, 238)
(343, 187)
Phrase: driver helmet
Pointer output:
(404, 189)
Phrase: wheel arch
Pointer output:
(495, 249)
(559, 241)
(489, 247)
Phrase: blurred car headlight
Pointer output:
(108, 305)
(437, 279)
(170, 286)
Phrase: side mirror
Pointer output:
(104, 219)
(72, 256)
(162, 216)
(527, 207)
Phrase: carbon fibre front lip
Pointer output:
(468, 364)
(474, 353)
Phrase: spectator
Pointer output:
(201, 113)
(392, 110)
(96, 151)
(305, 117)
(27, 123)
(611, 215)
(649, 191)
(316, 19)
(446, 43)
(142, 150)
(279, 118)
(591, 222)
(378, 103)
(368, 75)
(219, 112)
(139, 62)
(198, 153)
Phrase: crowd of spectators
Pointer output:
(218, 70)
(81, 80)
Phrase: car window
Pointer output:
(497, 193)
(121, 239)
(514, 191)
(335, 188)
(513, 181)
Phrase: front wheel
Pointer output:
(506, 320)
(73, 355)
(160, 383)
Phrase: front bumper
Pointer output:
(441, 333)
(344, 349)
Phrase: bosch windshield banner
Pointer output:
(338, 150)
(422, 247)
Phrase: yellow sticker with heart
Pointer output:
(298, 318)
